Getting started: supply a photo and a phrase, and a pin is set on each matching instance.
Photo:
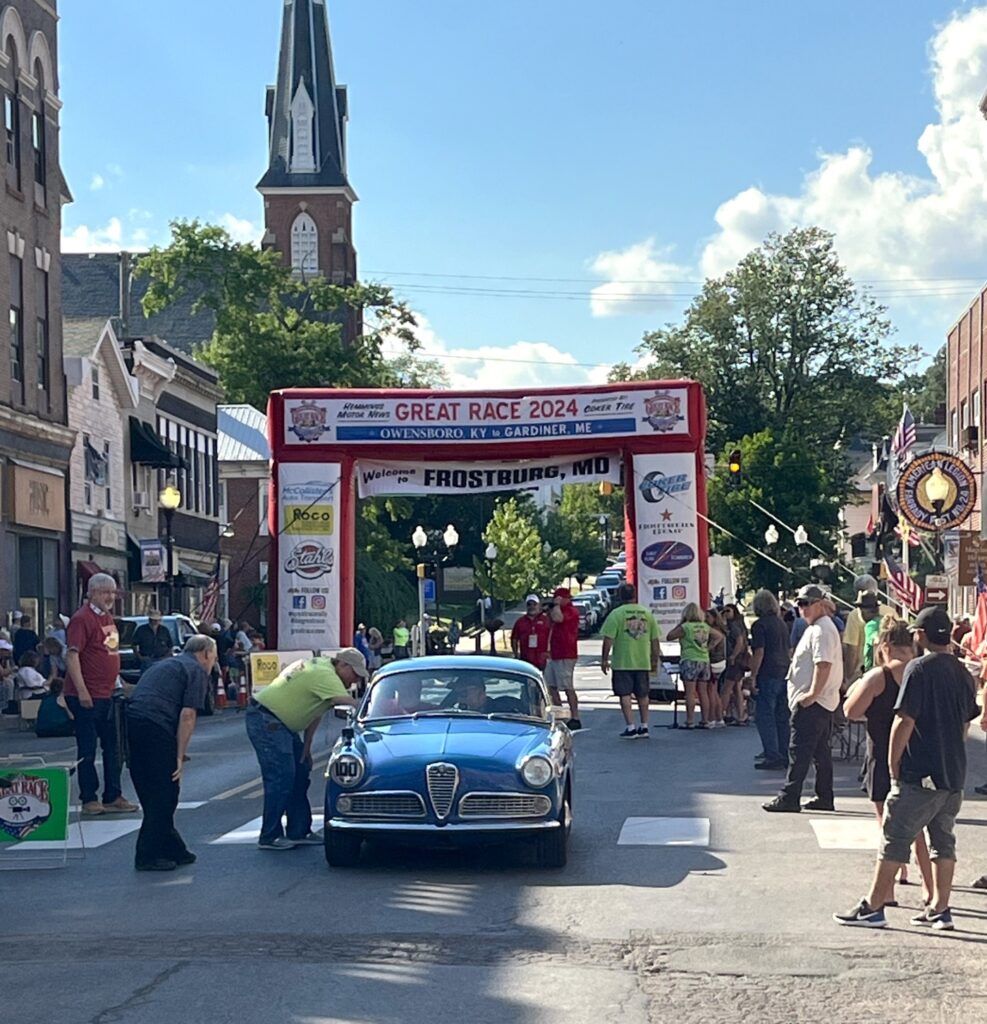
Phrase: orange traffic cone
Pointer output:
(241, 694)
(221, 701)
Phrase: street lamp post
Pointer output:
(605, 531)
(771, 535)
(937, 491)
(450, 538)
(491, 556)
(420, 538)
(169, 500)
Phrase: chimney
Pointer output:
(125, 274)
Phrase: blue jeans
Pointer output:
(285, 775)
(771, 717)
(92, 724)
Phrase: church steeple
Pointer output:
(307, 195)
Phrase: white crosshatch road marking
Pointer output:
(846, 833)
(664, 832)
(249, 832)
(95, 833)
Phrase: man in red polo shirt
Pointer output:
(563, 649)
(93, 664)
(529, 637)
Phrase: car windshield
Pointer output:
(454, 691)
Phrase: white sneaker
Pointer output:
(277, 844)
(312, 839)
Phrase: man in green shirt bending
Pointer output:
(293, 704)
(631, 635)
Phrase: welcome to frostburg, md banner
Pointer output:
(385, 478)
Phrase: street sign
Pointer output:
(936, 589)
(428, 590)
(973, 552)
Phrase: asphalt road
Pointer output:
(734, 929)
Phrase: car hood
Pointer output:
(431, 737)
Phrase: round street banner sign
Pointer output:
(936, 491)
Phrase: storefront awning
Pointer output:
(86, 570)
(148, 449)
(193, 577)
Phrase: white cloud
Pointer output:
(98, 181)
(636, 278)
(496, 367)
(108, 238)
(889, 225)
(241, 230)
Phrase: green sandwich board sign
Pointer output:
(34, 805)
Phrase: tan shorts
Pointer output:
(559, 673)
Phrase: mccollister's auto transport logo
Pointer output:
(936, 491)
(25, 804)
(310, 560)
(664, 411)
(308, 421)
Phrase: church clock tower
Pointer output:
(308, 201)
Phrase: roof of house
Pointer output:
(306, 59)
(242, 434)
(91, 290)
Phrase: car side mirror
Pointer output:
(560, 712)
(343, 713)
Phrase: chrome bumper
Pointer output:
(396, 826)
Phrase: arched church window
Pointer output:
(305, 245)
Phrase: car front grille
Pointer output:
(504, 805)
(386, 805)
(442, 780)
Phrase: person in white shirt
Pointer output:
(29, 682)
(814, 680)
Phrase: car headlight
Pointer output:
(537, 771)
(344, 805)
(347, 769)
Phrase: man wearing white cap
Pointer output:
(529, 637)
(294, 704)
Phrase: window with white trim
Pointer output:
(305, 245)
(262, 499)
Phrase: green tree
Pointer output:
(273, 328)
(781, 475)
(925, 392)
(573, 525)
(522, 565)
(785, 342)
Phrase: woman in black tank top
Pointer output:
(873, 698)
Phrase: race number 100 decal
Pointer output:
(308, 555)
(667, 534)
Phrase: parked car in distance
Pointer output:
(588, 617)
(608, 583)
(181, 627)
(460, 751)
(601, 599)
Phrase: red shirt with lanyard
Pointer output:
(531, 634)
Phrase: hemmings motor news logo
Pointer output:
(656, 486)
(310, 560)
(308, 421)
(25, 805)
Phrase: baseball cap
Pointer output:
(935, 623)
(6, 645)
(864, 583)
(810, 592)
(532, 599)
(154, 613)
(865, 599)
(352, 657)
(562, 592)
(64, 620)
(215, 628)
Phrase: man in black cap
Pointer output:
(928, 772)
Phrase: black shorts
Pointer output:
(631, 681)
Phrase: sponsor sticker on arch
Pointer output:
(308, 555)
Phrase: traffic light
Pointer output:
(426, 570)
(735, 468)
(606, 488)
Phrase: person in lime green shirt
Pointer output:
(631, 646)
(402, 637)
(295, 703)
(695, 638)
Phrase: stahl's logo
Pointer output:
(308, 421)
(655, 486)
(25, 805)
(310, 560)
(664, 411)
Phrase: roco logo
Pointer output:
(310, 561)
(308, 519)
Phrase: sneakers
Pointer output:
(816, 804)
(982, 790)
(312, 839)
(92, 809)
(771, 766)
(188, 857)
(120, 806)
(781, 806)
(157, 865)
(642, 732)
(862, 916)
(574, 724)
(630, 733)
(277, 844)
(938, 920)
(980, 883)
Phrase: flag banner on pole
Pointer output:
(904, 588)
(904, 436)
(913, 539)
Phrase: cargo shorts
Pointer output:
(910, 808)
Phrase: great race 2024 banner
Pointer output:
(380, 478)
(667, 535)
(308, 557)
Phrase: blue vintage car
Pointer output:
(451, 751)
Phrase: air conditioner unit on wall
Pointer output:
(103, 535)
(142, 499)
(970, 437)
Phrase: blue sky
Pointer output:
(619, 152)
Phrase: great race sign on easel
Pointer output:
(324, 442)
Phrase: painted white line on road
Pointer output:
(258, 783)
(95, 833)
(249, 832)
(185, 805)
(846, 834)
(664, 832)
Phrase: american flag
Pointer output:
(210, 598)
(904, 588)
(904, 436)
(980, 619)
(913, 540)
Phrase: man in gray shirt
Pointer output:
(160, 719)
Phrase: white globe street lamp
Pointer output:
(419, 538)
(801, 537)
(771, 535)
(491, 551)
(450, 537)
